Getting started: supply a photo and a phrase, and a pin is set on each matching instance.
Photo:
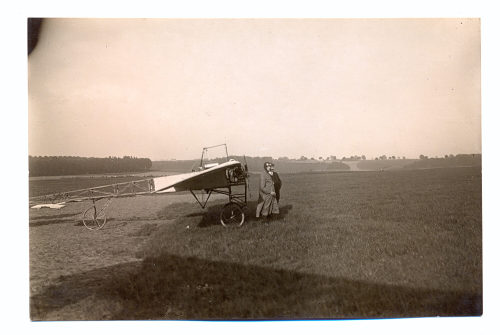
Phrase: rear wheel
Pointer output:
(93, 219)
(232, 215)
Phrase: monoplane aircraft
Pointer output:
(228, 178)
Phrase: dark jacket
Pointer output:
(277, 185)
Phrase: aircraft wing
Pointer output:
(213, 177)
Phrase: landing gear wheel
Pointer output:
(93, 219)
(232, 215)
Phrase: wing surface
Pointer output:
(214, 177)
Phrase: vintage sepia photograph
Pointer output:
(258, 169)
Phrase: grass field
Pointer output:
(346, 245)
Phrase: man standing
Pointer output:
(267, 203)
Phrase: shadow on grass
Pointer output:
(211, 216)
(37, 221)
(174, 287)
(56, 216)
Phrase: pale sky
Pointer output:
(166, 88)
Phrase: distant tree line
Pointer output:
(453, 157)
(70, 165)
(330, 158)
(384, 157)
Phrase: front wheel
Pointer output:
(93, 219)
(232, 215)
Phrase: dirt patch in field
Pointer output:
(352, 165)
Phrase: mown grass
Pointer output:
(346, 245)
(386, 164)
(349, 245)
